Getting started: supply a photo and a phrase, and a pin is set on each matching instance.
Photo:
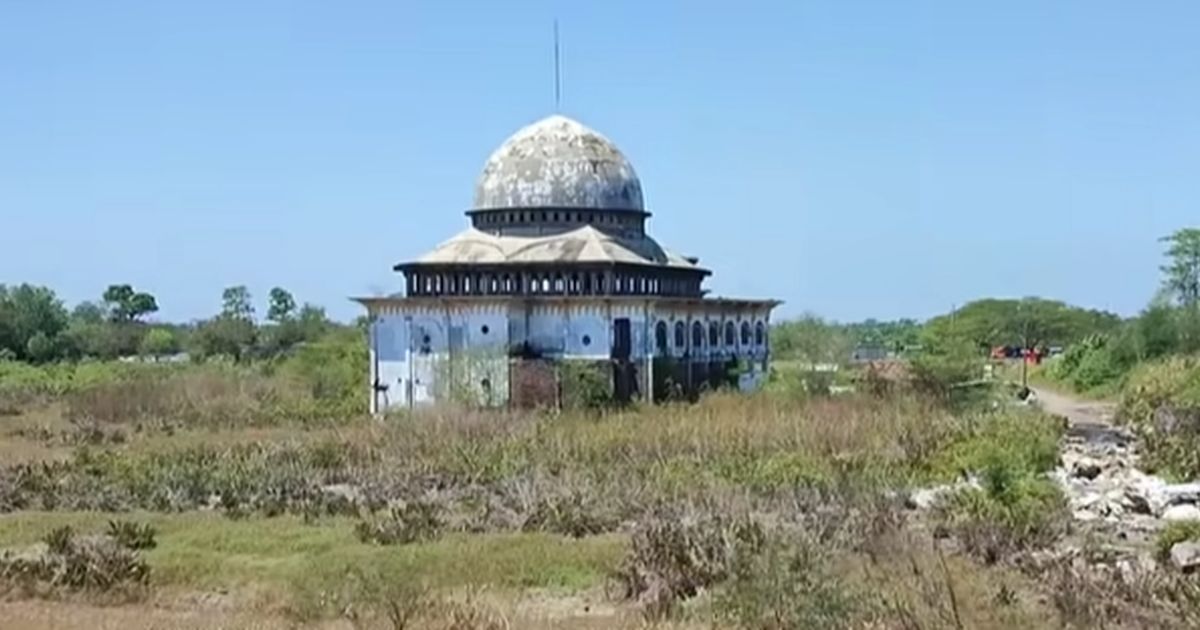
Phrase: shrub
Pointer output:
(574, 514)
(586, 384)
(414, 521)
(673, 555)
(136, 536)
(1012, 511)
(1174, 533)
(1161, 402)
(59, 539)
(939, 369)
(787, 586)
(93, 563)
(1027, 443)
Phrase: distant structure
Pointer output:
(556, 274)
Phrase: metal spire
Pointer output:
(557, 72)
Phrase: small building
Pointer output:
(555, 273)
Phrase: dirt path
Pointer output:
(1089, 421)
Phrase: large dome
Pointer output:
(558, 163)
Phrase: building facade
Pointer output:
(557, 269)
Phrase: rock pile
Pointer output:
(1101, 481)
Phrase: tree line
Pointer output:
(36, 326)
(1104, 343)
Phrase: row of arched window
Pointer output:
(519, 217)
(549, 283)
(757, 334)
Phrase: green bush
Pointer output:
(1024, 442)
(940, 368)
(1012, 511)
(412, 522)
(1161, 402)
(676, 553)
(136, 536)
(1174, 533)
(786, 586)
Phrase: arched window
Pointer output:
(730, 334)
(680, 335)
(760, 334)
(714, 335)
(697, 335)
(660, 336)
(745, 333)
(560, 285)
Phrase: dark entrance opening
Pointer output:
(624, 381)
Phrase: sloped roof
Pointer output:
(585, 244)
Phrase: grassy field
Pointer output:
(779, 510)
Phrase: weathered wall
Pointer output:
(433, 351)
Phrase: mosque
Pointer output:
(556, 269)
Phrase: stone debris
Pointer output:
(1185, 556)
(928, 498)
(1177, 513)
(1110, 499)
(1086, 468)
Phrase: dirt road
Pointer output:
(1089, 420)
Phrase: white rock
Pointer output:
(926, 498)
(342, 492)
(1177, 513)
(1185, 556)
(1178, 493)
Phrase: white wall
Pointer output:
(420, 363)
(484, 331)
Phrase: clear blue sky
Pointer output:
(853, 158)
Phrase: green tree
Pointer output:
(811, 339)
(235, 303)
(1182, 271)
(126, 305)
(159, 342)
(282, 305)
(26, 312)
(88, 313)
(1028, 322)
(224, 335)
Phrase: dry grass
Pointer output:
(547, 503)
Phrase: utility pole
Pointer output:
(1024, 346)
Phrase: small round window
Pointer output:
(484, 329)
(587, 340)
